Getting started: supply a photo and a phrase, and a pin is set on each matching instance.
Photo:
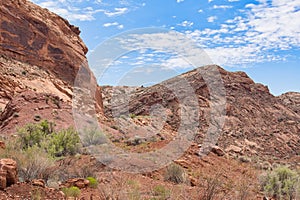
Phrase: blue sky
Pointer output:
(260, 37)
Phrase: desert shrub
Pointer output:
(215, 186)
(282, 183)
(92, 136)
(42, 135)
(71, 191)
(65, 142)
(133, 192)
(32, 163)
(132, 115)
(175, 173)
(161, 192)
(33, 134)
(93, 182)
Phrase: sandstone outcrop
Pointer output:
(39, 37)
(8, 173)
(40, 53)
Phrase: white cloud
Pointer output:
(186, 23)
(253, 36)
(200, 11)
(116, 12)
(221, 7)
(178, 1)
(73, 10)
(66, 9)
(212, 18)
(119, 26)
(233, 0)
(175, 62)
(170, 42)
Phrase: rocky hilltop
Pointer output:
(257, 124)
(40, 55)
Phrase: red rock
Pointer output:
(38, 182)
(8, 173)
(78, 182)
(2, 145)
(218, 151)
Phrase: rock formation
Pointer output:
(8, 173)
(40, 55)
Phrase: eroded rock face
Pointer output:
(78, 182)
(8, 173)
(32, 107)
(37, 36)
(40, 53)
(291, 100)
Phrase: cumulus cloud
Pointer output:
(254, 35)
(74, 10)
(65, 9)
(186, 23)
(212, 18)
(178, 1)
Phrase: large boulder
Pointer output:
(8, 173)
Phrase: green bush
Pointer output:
(65, 142)
(93, 182)
(282, 183)
(42, 135)
(33, 134)
(71, 191)
(175, 173)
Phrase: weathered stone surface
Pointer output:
(8, 173)
(78, 182)
(38, 182)
(37, 36)
(40, 52)
(218, 151)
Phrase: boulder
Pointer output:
(218, 151)
(2, 145)
(78, 182)
(8, 173)
(38, 182)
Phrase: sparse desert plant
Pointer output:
(133, 190)
(93, 182)
(175, 173)
(92, 136)
(71, 191)
(282, 183)
(33, 162)
(132, 115)
(161, 192)
(214, 186)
